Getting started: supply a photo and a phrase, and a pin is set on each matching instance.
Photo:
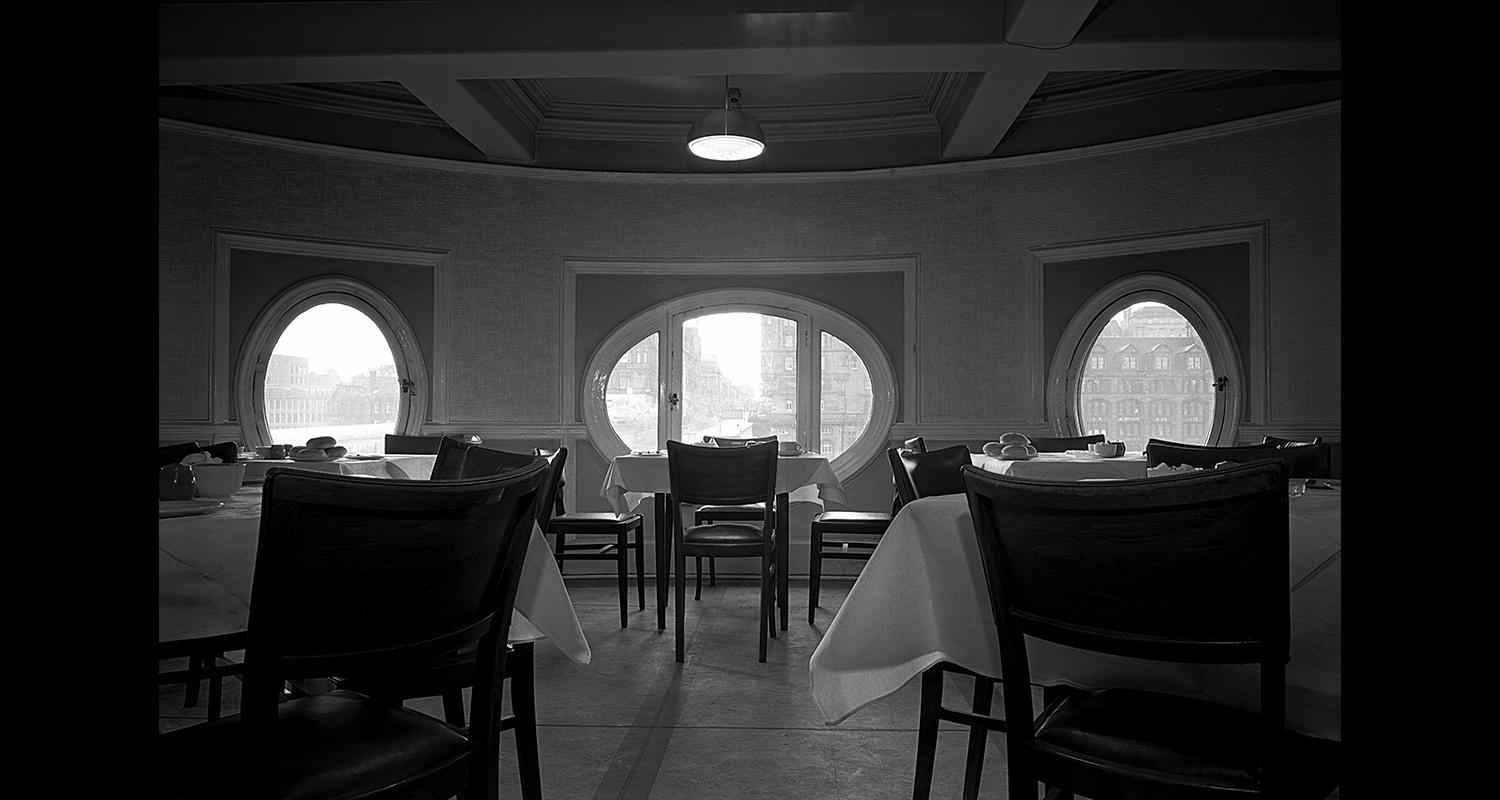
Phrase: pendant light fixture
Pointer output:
(727, 134)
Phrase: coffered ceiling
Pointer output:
(836, 84)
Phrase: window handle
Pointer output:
(1220, 382)
(408, 386)
(672, 400)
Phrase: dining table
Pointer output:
(1070, 465)
(922, 600)
(634, 476)
(206, 564)
(397, 465)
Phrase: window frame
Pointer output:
(1082, 332)
(274, 318)
(664, 319)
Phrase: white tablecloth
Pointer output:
(631, 478)
(922, 599)
(1073, 465)
(206, 563)
(410, 467)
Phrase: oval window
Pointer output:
(1148, 357)
(331, 373)
(331, 357)
(742, 363)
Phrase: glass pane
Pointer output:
(846, 399)
(739, 376)
(1148, 376)
(630, 399)
(332, 374)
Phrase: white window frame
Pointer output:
(813, 319)
(1065, 375)
(272, 322)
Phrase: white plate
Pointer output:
(645, 452)
(185, 508)
(1016, 458)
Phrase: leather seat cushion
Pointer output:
(1153, 733)
(324, 746)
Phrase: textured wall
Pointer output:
(507, 238)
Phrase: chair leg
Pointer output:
(622, 571)
(814, 572)
(927, 730)
(453, 707)
(713, 576)
(767, 619)
(681, 583)
(984, 691)
(215, 689)
(523, 706)
(640, 565)
(190, 692)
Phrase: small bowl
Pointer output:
(1107, 449)
(218, 480)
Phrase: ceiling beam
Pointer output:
(228, 43)
(989, 106)
(1045, 23)
(476, 114)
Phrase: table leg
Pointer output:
(783, 554)
(663, 559)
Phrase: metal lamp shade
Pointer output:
(726, 135)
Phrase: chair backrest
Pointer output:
(558, 506)
(1280, 442)
(916, 444)
(1188, 567)
(730, 441)
(421, 445)
(1304, 461)
(354, 575)
(929, 473)
(550, 500)
(458, 458)
(722, 475)
(1061, 444)
(227, 452)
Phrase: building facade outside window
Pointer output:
(1186, 347)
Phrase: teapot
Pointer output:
(175, 482)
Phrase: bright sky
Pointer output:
(335, 336)
(735, 339)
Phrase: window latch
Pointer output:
(407, 386)
(1220, 382)
(672, 400)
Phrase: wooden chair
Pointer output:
(448, 677)
(1303, 461)
(354, 575)
(1187, 568)
(841, 534)
(562, 524)
(422, 445)
(461, 457)
(1280, 442)
(1061, 444)
(721, 513)
(929, 473)
(227, 452)
(725, 476)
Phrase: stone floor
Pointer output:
(634, 724)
